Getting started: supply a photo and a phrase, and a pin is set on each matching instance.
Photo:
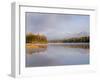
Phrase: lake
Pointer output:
(58, 54)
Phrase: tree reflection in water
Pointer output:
(43, 48)
(85, 46)
(79, 46)
(33, 50)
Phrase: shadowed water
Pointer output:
(58, 54)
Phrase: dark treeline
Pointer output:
(79, 39)
(35, 38)
(38, 38)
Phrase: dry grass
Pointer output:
(35, 46)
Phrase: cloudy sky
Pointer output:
(57, 26)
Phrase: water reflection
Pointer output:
(85, 46)
(43, 48)
(58, 54)
(38, 50)
(72, 45)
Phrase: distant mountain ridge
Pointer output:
(70, 35)
(80, 34)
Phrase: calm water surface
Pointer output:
(58, 54)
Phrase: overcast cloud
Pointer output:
(57, 26)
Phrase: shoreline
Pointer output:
(38, 46)
(35, 46)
